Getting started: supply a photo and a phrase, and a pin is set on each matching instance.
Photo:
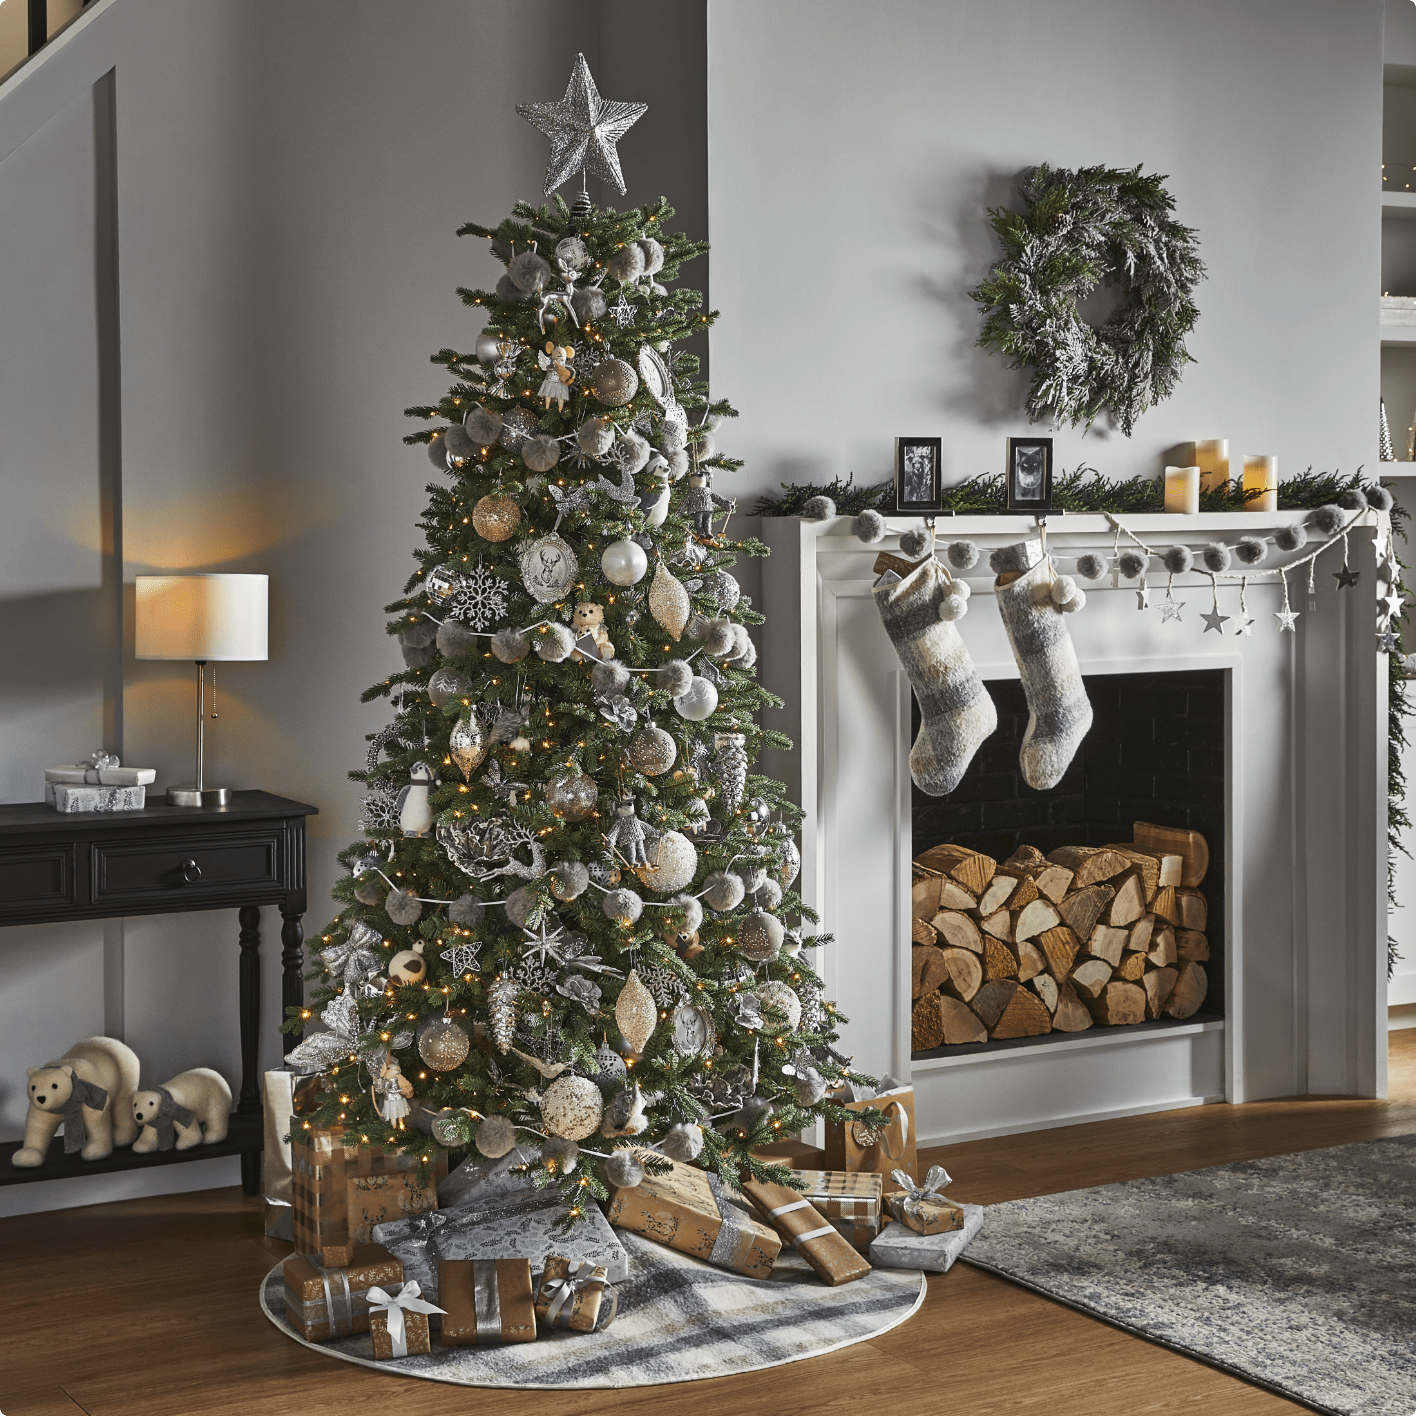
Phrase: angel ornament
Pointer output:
(629, 837)
(701, 502)
(392, 1091)
(556, 361)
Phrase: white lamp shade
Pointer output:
(209, 617)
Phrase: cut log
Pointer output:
(1191, 947)
(1046, 987)
(937, 892)
(1162, 950)
(1194, 909)
(1000, 926)
(1164, 906)
(990, 1001)
(1033, 919)
(999, 890)
(928, 969)
(1053, 881)
(1107, 943)
(1061, 947)
(1132, 968)
(1031, 960)
(998, 961)
(1190, 846)
(1025, 858)
(960, 1025)
(1090, 978)
(965, 973)
(1024, 1016)
(1140, 935)
(1023, 891)
(1148, 865)
(953, 896)
(1088, 864)
(926, 1024)
(1129, 902)
(958, 930)
(1070, 1015)
(1189, 991)
(971, 869)
(1120, 1004)
(1157, 984)
(922, 932)
(1082, 908)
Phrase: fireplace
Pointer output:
(1284, 737)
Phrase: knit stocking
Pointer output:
(1059, 713)
(955, 709)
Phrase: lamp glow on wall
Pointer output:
(208, 619)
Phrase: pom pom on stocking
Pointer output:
(955, 603)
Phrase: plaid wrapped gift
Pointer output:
(848, 1199)
(376, 1199)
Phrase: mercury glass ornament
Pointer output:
(668, 602)
(673, 860)
(652, 751)
(572, 1107)
(780, 998)
(444, 1045)
(517, 426)
(496, 517)
(636, 1013)
(699, 702)
(614, 382)
(572, 798)
(467, 744)
(447, 684)
(624, 562)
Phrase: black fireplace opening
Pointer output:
(1155, 753)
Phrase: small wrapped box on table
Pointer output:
(572, 1295)
(900, 1247)
(802, 1226)
(323, 1302)
(691, 1210)
(398, 1323)
(849, 1199)
(486, 1302)
(921, 1207)
(98, 783)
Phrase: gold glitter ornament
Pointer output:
(467, 745)
(635, 1014)
(673, 861)
(572, 798)
(668, 602)
(652, 751)
(572, 1107)
(760, 936)
(444, 1045)
(496, 517)
(780, 998)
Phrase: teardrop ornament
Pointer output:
(668, 602)
(636, 1012)
(467, 745)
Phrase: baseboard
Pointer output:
(1052, 1123)
(1403, 1015)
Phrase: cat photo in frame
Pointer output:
(919, 477)
(1029, 474)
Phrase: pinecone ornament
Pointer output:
(501, 1009)
(730, 768)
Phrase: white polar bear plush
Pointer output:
(90, 1090)
(193, 1107)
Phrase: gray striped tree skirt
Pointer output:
(679, 1321)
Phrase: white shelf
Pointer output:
(1395, 336)
(1399, 205)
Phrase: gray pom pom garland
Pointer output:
(1379, 498)
(869, 527)
(963, 555)
(529, 272)
(1091, 566)
(623, 1171)
(751, 875)
(1327, 520)
(913, 543)
(1177, 560)
(609, 677)
(455, 639)
(684, 1142)
(437, 453)
(520, 905)
(510, 645)
(1250, 550)
(623, 906)
(417, 656)
(723, 891)
(1131, 564)
(633, 452)
(457, 443)
(1291, 538)
(816, 508)
(627, 263)
(554, 642)
(540, 453)
(653, 255)
(483, 425)
(402, 907)
(416, 635)
(1215, 557)
(1352, 500)
(569, 880)
(674, 678)
(466, 911)
(718, 637)
(588, 304)
(692, 908)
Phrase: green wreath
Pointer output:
(1080, 229)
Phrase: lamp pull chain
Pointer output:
(214, 713)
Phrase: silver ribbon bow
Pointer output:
(394, 1305)
(562, 1292)
(934, 1181)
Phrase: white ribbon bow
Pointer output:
(393, 1307)
(934, 1181)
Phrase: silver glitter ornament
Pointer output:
(572, 798)
(729, 768)
(652, 751)
(444, 1045)
(517, 426)
(614, 382)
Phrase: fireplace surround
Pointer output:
(1299, 752)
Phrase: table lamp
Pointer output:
(208, 619)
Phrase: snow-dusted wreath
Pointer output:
(1081, 229)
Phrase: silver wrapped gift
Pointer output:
(79, 796)
(478, 1183)
(898, 1246)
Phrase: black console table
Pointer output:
(61, 866)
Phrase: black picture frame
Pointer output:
(919, 475)
(1027, 477)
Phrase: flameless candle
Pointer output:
(1182, 490)
(1212, 458)
(1261, 476)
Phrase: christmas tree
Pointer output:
(568, 922)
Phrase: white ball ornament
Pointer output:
(624, 562)
(781, 998)
(759, 936)
(673, 862)
(570, 1107)
(407, 966)
(700, 702)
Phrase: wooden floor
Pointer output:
(148, 1307)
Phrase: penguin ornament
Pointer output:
(415, 811)
(654, 499)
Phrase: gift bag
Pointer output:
(286, 1094)
(855, 1145)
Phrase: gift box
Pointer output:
(101, 770)
(376, 1199)
(78, 796)
(802, 1226)
(692, 1211)
(485, 1302)
(921, 1207)
(285, 1094)
(902, 1247)
(478, 1182)
(398, 1323)
(850, 1200)
(328, 1301)
(572, 1295)
(321, 1166)
(855, 1145)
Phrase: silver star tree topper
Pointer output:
(583, 129)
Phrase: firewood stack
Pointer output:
(1089, 934)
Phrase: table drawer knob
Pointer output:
(191, 872)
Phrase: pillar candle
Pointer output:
(1212, 458)
(1182, 490)
(1260, 475)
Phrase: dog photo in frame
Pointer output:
(919, 477)
(1029, 474)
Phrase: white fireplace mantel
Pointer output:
(1305, 847)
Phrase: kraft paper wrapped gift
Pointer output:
(855, 1145)
(486, 1302)
(900, 1247)
(376, 1199)
(802, 1226)
(326, 1301)
(692, 1211)
(321, 1166)
(398, 1323)
(850, 1200)
(572, 1295)
(921, 1207)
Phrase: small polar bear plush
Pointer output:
(589, 618)
(193, 1107)
(89, 1090)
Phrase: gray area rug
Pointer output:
(679, 1321)
(1297, 1273)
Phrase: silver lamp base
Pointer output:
(194, 796)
